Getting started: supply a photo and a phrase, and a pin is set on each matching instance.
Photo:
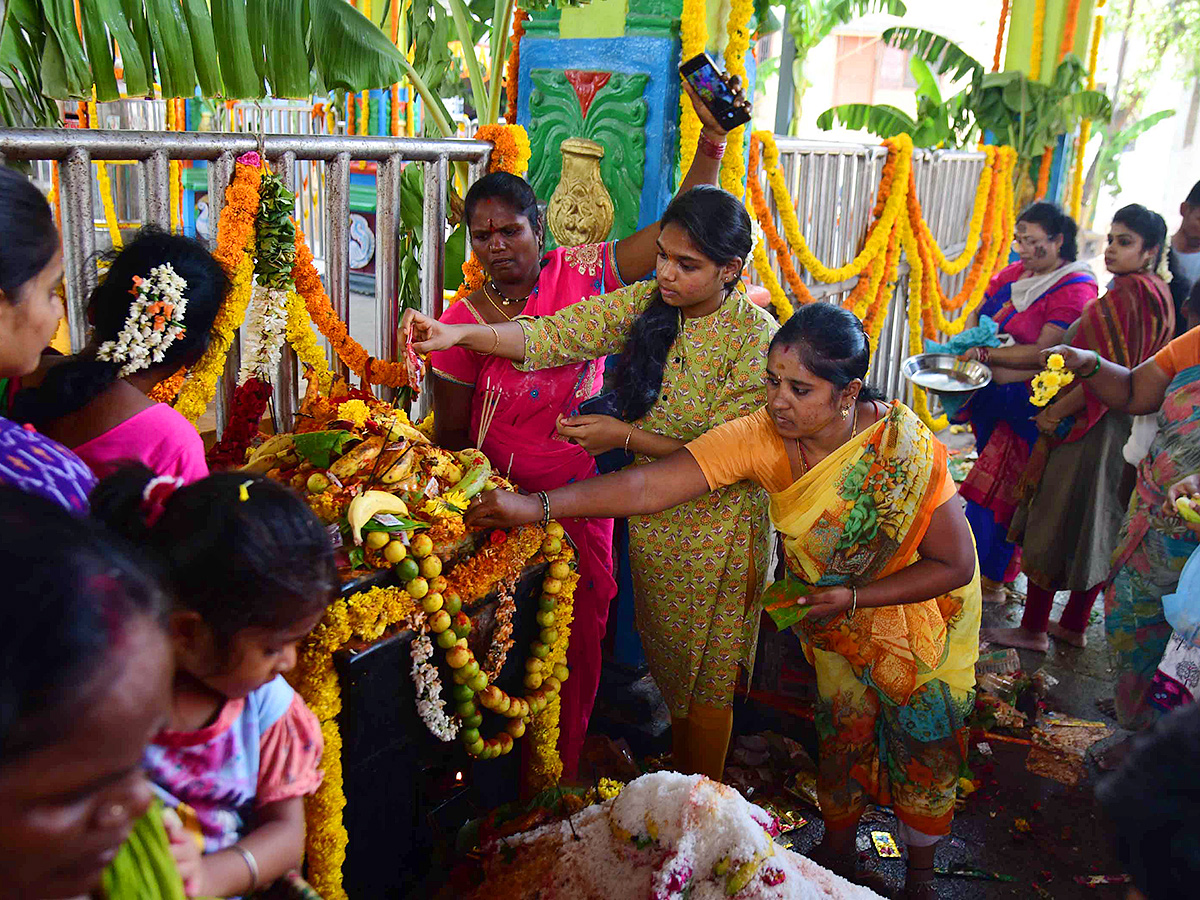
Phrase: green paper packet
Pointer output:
(780, 600)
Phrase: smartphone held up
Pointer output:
(712, 86)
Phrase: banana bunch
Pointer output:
(275, 451)
(368, 504)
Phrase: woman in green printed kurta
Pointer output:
(692, 348)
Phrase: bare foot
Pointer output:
(1016, 637)
(993, 592)
(1074, 638)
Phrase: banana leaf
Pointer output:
(204, 47)
(172, 48)
(108, 13)
(350, 52)
(231, 32)
(135, 18)
(99, 52)
(879, 119)
(943, 54)
(288, 73)
(65, 71)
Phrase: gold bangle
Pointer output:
(496, 341)
(627, 437)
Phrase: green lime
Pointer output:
(408, 569)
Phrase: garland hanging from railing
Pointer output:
(897, 223)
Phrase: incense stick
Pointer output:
(491, 400)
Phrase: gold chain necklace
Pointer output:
(503, 300)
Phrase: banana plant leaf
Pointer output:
(945, 56)
(226, 48)
(879, 119)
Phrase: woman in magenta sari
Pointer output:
(523, 440)
(1033, 301)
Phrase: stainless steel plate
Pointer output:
(945, 374)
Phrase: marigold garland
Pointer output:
(513, 68)
(693, 28)
(733, 163)
(304, 342)
(1070, 23)
(1035, 50)
(364, 616)
(320, 309)
(167, 389)
(235, 244)
(900, 155)
(898, 226)
(1043, 178)
(545, 763)
(510, 153)
(1000, 35)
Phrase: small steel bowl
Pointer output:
(941, 373)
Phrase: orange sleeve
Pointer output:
(746, 449)
(1181, 353)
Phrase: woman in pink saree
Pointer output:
(524, 439)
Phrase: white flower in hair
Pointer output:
(154, 323)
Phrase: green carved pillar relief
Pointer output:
(614, 116)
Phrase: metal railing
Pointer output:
(76, 150)
(833, 188)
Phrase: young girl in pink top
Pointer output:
(250, 571)
(152, 313)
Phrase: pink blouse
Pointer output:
(158, 436)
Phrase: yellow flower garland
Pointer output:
(733, 164)
(877, 238)
(1035, 50)
(364, 616)
(693, 32)
(104, 183)
(304, 342)
(545, 764)
(975, 229)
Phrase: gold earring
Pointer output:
(845, 412)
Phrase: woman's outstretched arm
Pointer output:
(1136, 391)
(636, 491)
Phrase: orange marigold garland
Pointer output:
(510, 153)
(235, 245)
(167, 389)
(512, 70)
(1000, 35)
(320, 309)
(1043, 179)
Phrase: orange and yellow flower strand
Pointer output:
(898, 224)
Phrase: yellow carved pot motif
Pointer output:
(581, 211)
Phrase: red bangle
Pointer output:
(709, 147)
(984, 355)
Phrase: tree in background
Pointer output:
(1170, 32)
(811, 21)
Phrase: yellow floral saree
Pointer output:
(896, 682)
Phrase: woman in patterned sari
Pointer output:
(691, 347)
(882, 572)
(1155, 542)
(507, 238)
(1070, 510)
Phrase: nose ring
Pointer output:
(116, 811)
